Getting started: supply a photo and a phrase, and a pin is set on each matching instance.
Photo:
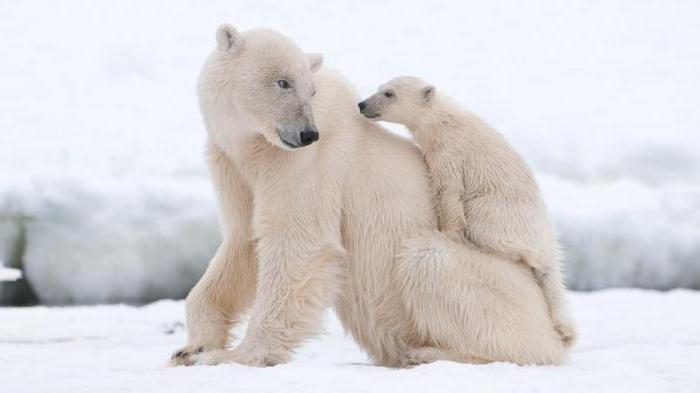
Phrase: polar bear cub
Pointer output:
(485, 194)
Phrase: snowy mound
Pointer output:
(114, 241)
(625, 233)
(104, 194)
(7, 274)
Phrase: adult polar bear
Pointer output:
(346, 221)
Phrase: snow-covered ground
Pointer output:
(103, 191)
(631, 341)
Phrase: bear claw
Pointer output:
(183, 357)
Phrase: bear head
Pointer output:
(259, 82)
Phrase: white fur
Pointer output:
(323, 224)
(484, 191)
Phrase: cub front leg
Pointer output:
(450, 211)
(288, 308)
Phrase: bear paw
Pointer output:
(422, 355)
(183, 356)
(223, 356)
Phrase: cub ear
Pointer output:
(315, 61)
(227, 37)
(428, 93)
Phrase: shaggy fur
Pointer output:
(485, 194)
(307, 227)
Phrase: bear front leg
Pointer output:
(224, 292)
(227, 288)
(288, 308)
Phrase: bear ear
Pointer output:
(315, 61)
(227, 37)
(428, 93)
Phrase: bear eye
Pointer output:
(388, 94)
(283, 84)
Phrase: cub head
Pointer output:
(259, 82)
(398, 101)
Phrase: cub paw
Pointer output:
(567, 331)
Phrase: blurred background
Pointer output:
(104, 195)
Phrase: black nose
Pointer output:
(362, 105)
(308, 136)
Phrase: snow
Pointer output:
(7, 274)
(631, 340)
(102, 176)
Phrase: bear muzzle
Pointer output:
(295, 139)
(308, 136)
